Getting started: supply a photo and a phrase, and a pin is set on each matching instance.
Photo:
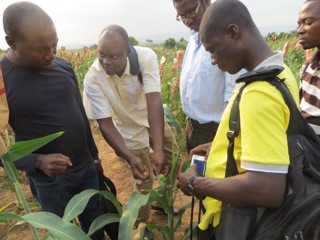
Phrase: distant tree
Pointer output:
(170, 43)
(272, 36)
(149, 41)
(133, 41)
(293, 33)
(94, 46)
(182, 44)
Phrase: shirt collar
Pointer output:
(195, 36)
(276, 59)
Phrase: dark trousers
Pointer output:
(208, 234)
(54, 193)
(197, 133)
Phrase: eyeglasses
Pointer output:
(190, 14)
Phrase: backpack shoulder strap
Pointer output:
(263, 73)
(134, 63)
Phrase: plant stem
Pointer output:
(19, 193)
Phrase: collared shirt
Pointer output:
(310, 91)
(123, 98)
(204, 88)
(257, 147)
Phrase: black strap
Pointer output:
(134, 63)
(234, 129)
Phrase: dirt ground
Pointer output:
(114, 168)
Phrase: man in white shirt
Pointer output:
(129, 112)
(204, 88)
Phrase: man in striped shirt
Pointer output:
(309, 32)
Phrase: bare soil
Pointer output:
(114, 168)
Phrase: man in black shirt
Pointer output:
(44, 98)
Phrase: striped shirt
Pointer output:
(310, 91)
(204, 88)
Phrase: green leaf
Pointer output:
(181, 212)
(23, 148)
(103, 220)
(171, 120)
(55, 225)
(10, 170)
(9, 216)
(130, 214)
(77, 203)
(185, 166)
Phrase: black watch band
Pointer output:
(190, 185)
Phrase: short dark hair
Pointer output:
(221, 13)
(20, 14)
(119, 30)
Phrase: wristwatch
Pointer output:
(190, 186)
(96, 161)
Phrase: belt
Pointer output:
(211, 126)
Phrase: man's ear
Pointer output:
(11, 42)
(233, 31)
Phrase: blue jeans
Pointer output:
(54, 193)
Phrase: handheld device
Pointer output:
(199, 161)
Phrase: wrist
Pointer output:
(191, 186)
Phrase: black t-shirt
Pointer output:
(42, 102)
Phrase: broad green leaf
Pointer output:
(9, 216)
(130, 214)
(56, 226)
(59, 228)
(23, 148)
(78, 203)
(103, 220)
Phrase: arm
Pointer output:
(250, 189)
(156, 122)
(115, 140)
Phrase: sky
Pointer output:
(79, 22)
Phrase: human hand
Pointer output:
(202, 150)
(159, 166)
(53, 164)
(139, 171)
(183, 179)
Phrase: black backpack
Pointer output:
(105, 183)
(299, 216)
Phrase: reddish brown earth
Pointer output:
(114, 168)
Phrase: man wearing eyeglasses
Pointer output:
(204, 88)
